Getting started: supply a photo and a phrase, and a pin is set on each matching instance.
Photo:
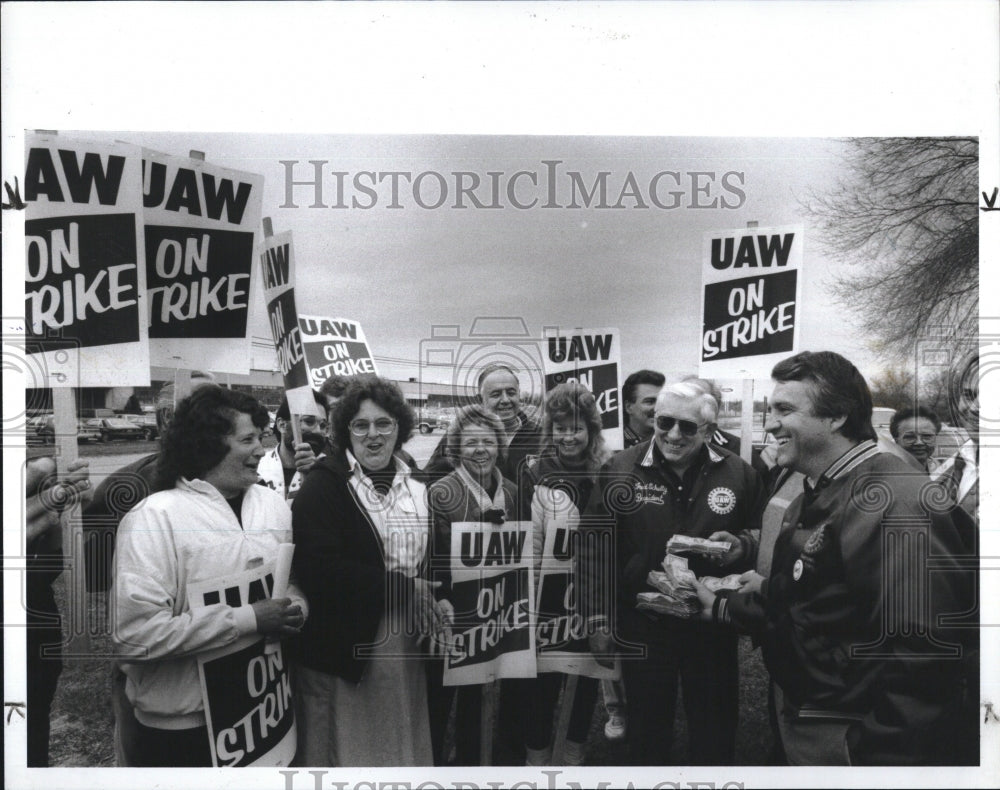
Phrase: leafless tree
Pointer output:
(894, 388)
(905, 216)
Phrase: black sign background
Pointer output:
(605, 378)
(229, 252)
(104, 240)
(230, 699)
(778, 289)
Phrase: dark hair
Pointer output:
(475, 414)
(382, 392)
(839, 389)
(909, 413)
(334, 386)
(284, 412)
(194, 442)
(490, 369)
(640, 377)
(575, 401)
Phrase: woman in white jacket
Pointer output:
(206, 521)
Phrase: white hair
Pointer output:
(707, 405)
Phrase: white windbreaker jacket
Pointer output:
(169, 540)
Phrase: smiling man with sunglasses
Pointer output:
(672, 484)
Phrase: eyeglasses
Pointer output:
(383, 426)
(312, 422)
(910, 438)
(687, 427)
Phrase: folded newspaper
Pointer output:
(714, 583)
(664, 604)
(679, 544)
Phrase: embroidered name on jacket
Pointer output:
(650, 493)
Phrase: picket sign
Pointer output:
(293, 417)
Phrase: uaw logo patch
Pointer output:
(722, 500)
(807, 559)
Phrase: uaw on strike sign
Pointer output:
(492, 592)
(277, 262)
(334, 347)
(592, 358)
(85, 278)
(751, 309)
(247, 692)
(561, 633)
(200, 224)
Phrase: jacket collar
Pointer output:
(649, 459)
(856, 455)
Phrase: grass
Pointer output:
(82, 723)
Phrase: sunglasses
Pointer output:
(686, 427)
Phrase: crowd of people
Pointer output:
(820, 532)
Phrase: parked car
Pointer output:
(45, 431)
(91, 414)
(145, 421)
(111, 428)
(427, 420)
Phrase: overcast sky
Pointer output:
(403, 271)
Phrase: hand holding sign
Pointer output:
(305, 457)
(278, 617)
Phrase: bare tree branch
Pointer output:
(904, 218)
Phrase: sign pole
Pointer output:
(65, 428)
(746, 421)
(486, 714)
(562, 723)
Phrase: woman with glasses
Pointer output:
(916, 430)
(475, 491)
(561, 480)
(207, 521)
(361, 532)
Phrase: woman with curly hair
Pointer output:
(561, 481)
(360, 523)
(475, 446)
(206, 520)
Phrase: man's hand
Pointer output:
(305, 457)
(602, 646)
(750, 582)
(706, 598)
(278, 617)
(735, 553)
(48, 494)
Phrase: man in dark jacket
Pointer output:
(639, 402)
(850, 616)
(500, 393)
(674, 484)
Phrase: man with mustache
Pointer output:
(284, 467)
